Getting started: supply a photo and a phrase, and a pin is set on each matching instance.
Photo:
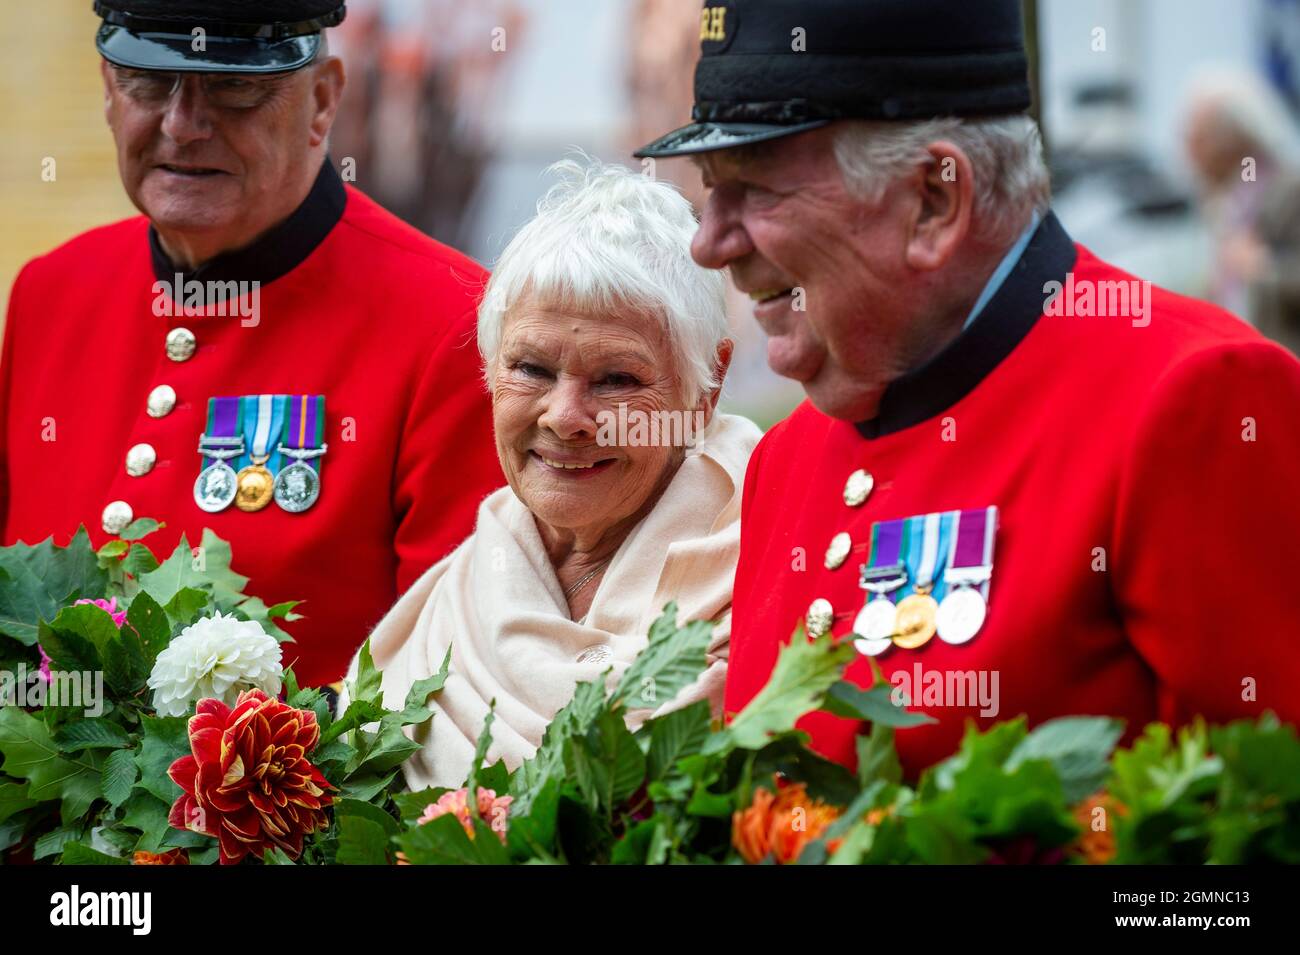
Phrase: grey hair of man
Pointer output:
(1005, 152)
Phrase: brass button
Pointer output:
(820, 617)
(181, 344)
(116, 516)
(858, 487)
(161, 401)
(838, 550)
(140, 460)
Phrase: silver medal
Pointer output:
(874, 626)
(215, 488)
(297, 487)
(961, 614)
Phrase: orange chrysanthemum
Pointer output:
(1096, 846)
(780, 824)
(170, 857)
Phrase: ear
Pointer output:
(328, 81)
(709, 402)
(945, 190)
(106, 74)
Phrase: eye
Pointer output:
(620, 379)
(531, 370)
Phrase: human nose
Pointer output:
(721, 237)
(186, 115)
(567, 414)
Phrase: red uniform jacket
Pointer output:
(1146, 475)
(354, 305)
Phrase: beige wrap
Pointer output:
(497, 602)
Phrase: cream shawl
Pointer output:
(497, 602)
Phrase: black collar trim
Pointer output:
(278, 252)
(1000, 326)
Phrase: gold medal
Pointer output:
(915, 623)
(256, 486)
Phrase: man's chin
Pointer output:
(843, 401)
(201, 206)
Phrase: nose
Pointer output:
(721, 237)
(568, 411)
(186, 117)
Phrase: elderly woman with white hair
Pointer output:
(604, 349)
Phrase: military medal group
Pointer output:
(275, 443)
(924, 576)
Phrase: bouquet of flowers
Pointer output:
(152, 722)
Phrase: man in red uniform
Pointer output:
(1024, 481)
(264, 351)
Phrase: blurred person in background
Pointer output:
(1244, 148)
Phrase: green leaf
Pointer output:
(166, 739)
(366, 786)
(52, 842)
(108, 554)
(185, 606)
(803, 673)
(877, 757)
(175, 574)
(139, 561)
(673, 659)
(30, 753)
(445, 842)
(276, 856)
(150, 622)
(416, 709)
(120, 652)
(358, 713)
(227, 586)
(148, 815)
(37, 581)
(383, 750)
(364, 833)
(75, 853)
(140, 528)
(1079, 748)
(573, 720)
(91, 734)
(368, 686)
(674, 735)
(875, 704)
(608, 763)
(119, 776)
(480, 749)
(13, 799)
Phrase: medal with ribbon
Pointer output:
(970, 566)
(297, 485)
(222, 440)
(926, 553)
(884, 572)
(263, 420)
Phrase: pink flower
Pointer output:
(45, 664)
(110, 606)
(492, 809)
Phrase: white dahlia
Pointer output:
(217, 657)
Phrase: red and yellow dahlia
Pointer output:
(248, 781)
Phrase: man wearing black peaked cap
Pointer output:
(1024, 481)
(264, 351)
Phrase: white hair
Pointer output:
(607, 239)
(1011, 179)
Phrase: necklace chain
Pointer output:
(570, 591)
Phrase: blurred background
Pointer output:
(454, 110)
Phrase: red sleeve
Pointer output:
(447, 461)
(1207, 534)
(6, 383)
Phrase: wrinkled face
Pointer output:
(556, 371)
(219, 154)
(825, 269)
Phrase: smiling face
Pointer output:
(220, 159)
(827, 270)
(555, 372)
